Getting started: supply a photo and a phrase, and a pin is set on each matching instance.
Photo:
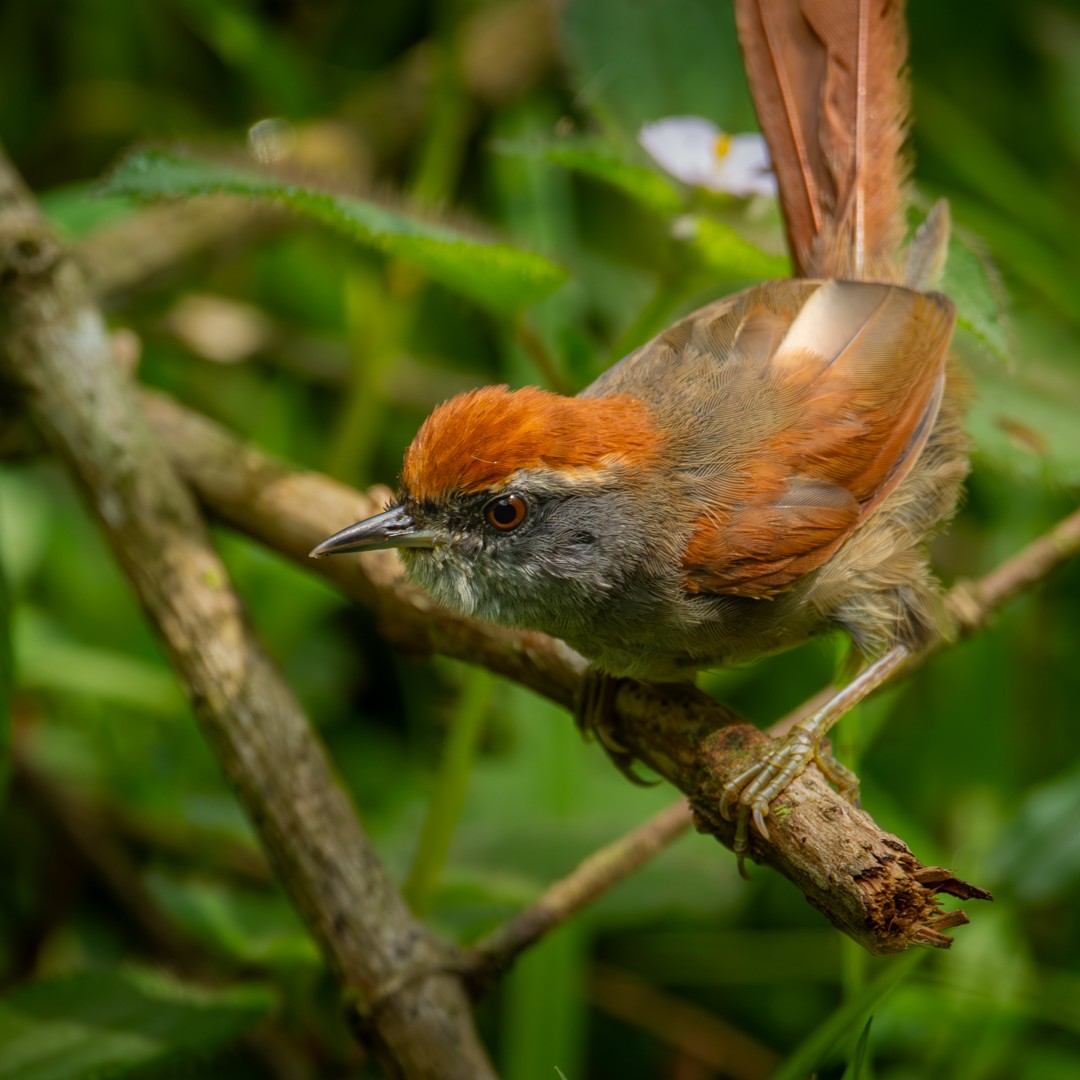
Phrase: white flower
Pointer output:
(695, 151)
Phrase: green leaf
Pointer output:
(50, 660)
(252, 927)
(1039, 855)
(109, 1024)
(726, 252)
(970, 281)
(75, 211)
(590, 157)
(654, 58)
(497, 276)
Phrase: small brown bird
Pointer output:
(767, 469)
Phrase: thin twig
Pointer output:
(54, 349)
(593, 877)
(290, 510)
(972, 605)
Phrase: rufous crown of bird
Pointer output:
(769, 468)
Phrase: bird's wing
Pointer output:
(822, 402)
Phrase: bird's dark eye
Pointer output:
(505, 513)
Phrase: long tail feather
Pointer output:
(829, 85)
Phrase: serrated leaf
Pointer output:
(111, 1024)
(970, 282)
(75, 211)
(592, 158)
(497, 276)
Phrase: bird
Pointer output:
(768, 469)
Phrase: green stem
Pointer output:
(451, 787)
(379, 317)
(373, 333)
(439, 163)
(7, 676)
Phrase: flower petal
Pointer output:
(746, 168)
(695, 151)
(684, 146)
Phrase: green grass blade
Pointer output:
(808, 1057)
(451, 788)
(856, 1069)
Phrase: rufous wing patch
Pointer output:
(759, 550)
(853, 391)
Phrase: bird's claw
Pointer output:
(595, 717)
(746, 797)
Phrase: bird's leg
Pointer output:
(837, 773)
(752, 790)
(596, 716)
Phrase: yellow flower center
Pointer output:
(722, 146)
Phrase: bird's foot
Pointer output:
(838, 774)
(596, 717)
(746, 797)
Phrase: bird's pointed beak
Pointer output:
(393, 529)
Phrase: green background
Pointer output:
(498, 122)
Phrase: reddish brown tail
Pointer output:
(829, 85)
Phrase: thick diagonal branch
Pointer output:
(54, 349)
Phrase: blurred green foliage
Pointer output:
(492, 122)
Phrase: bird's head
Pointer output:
(519, 507)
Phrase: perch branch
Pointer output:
(865, 881)
(54, 349)
(972, 605)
